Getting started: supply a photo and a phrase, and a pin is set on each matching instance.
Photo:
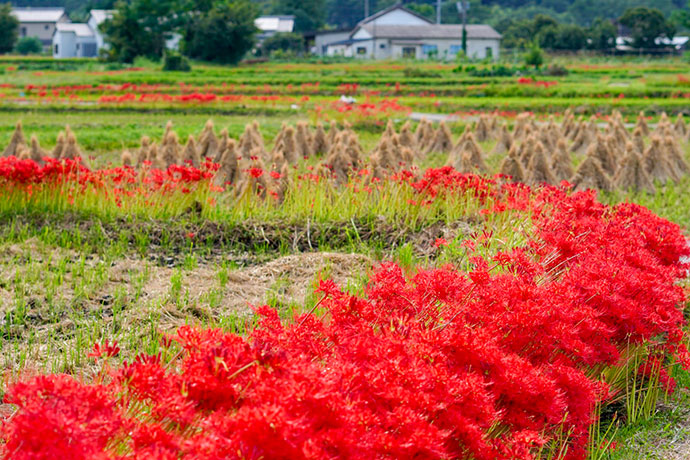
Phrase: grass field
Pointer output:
(551, 290)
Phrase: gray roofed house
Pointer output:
(397, 32)
(39, 22)
(80, 39)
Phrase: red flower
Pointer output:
(440, 242)
(108, 350)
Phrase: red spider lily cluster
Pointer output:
(71, 177)
(381, 108)
(539, 83)
(489, 364)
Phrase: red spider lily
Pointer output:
(440, 242)
(255, 172)
(420, 366)
(108, 350)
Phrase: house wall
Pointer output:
(43, 30)
(100, 42)
(70, 45)
(321, 41)
(476, 48)
(446, 49)
(66, 44)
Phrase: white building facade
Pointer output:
(398, 33)
(80, 40)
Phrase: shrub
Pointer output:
(534, 56)
(175, 62)
(289, 43)
(29, 45)
(555, 70)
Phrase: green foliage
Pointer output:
(570, 37)
(534, 56)
(9, 28)
(602, 35)
(141, 28)
(29, 45)
(285, 42)
(646, 25)
(222, 34)
(309, 14)
(173, 61)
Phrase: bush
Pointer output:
(29, 45)
(287, 43)
(555, 70)
(535, 56)
(175, 62)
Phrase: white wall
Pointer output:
(476, 48)
(66, 43)
(322, 40)
(70, 45)
(445, 48)
(100, 42)
(43, 30)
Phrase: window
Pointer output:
(361, 50)
(489, 52)
(46, 27)
(56, 48)
(382, 46)
(23, 31)
(77, 46)
(429, 50)
(455, 49)
(409, 52)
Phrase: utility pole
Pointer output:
(438, 11)
(463, 6)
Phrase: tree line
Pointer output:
(223, 30)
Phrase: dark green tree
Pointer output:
(29, 45)
(548, 36)
(141, 28)
(9, 28)
(570, 37)
(646, 25)
(518, 34)
(534, 55)
(309, 14)
(286, 42)
(222, 34)
(602, 35)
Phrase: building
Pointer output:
(80, 40)
(96, 18)
(271, 25)
(40, 22)
(396, 33)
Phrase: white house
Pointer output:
(80, 40)
(96, 18)
(397, 32)
(271, 25)
(40, 22)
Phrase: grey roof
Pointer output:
(79, 29)
(475, 31)
(38, 14)
(397, 6)
(349, 41)
(100, 16)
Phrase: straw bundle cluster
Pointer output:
(66, 146)
(608, 155)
